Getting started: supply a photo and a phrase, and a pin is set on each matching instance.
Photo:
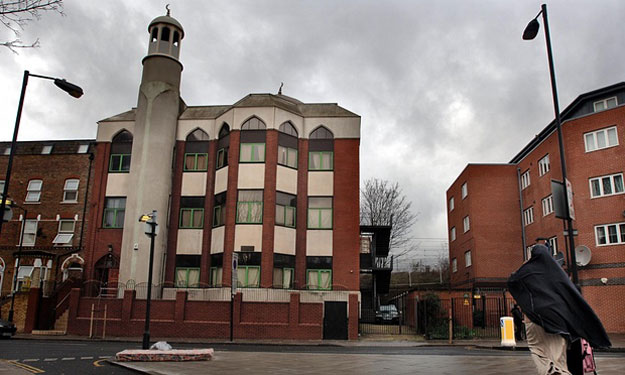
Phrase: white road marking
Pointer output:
(104, 356)
(68, 359)
(49, 359)
(86, 357)
(30, 360)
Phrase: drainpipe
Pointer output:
(518, 176)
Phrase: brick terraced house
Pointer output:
(496, 212)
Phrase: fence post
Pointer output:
(451, 327)
(91, 321)
(452, 317)
(104, 325)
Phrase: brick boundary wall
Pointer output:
(182, 318)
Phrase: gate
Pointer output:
(394, 316)
(335, 321)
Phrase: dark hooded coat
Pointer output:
(548, 298)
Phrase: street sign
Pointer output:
(569, 194)
(235, 265)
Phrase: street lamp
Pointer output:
(68, 87)
(150, 221)
(19, 257)
(530, 33)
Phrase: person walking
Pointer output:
(519, 326)
(556, 313)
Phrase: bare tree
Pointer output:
(16, 14)
(383, 203)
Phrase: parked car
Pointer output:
(7, 329)
(387, 313)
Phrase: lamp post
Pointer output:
(150, 220)
(530, 33)
(70, 88)
(17, 265)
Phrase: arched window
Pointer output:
(321, 150)
(288, 128)
(287, 145)
(222, 146)
(154, 35)
(196, 151)
(121, 149)
(165, 34)
(176, 38)
(252, 141)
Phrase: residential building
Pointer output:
(510, 207)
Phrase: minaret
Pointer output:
(154, 134)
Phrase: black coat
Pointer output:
(549, 299)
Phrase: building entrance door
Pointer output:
(335, 321)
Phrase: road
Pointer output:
(90, 357)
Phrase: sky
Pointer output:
(438, 84)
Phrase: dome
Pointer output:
(169, 20)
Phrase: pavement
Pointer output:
(276, 363)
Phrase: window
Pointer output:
(605, 104)
(452, 233)
(606, 185)
(1, 187)
(321, 132)
(467, 258)
(195, 162)
(319, 279)
(610, 234)
(548, 205)
(33, 191)
(600, 139)
(283, 278)
(321, 160)
(451, 204)
(287, 156)
(528, 216)
(70, 190)
(47, 149)
(7, 151)
(24, 277)
(525, 179)
(465, 190)
(252, 153)
(191, 212)
(65, 234)
(288, 128)
(216, 276)
(466, 225)
(543, 165)
(253, 123)
(248, 276)
(29, 235)
(320, 213)
(250, 207)
(454, 265)
(82, 149)
(121, 149)
(187, 271)
(222, 146)
(553, 245)
(114, 211)
(219, 210)
(222, 157)
(528, 252)
(285, 209)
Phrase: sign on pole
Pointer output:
(235, 264)
(569, 194)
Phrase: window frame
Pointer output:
(291, 280)
(595, 134)
(544, 165)
(320, 210)
(249, 211)
(468, 256)
(116, 213)
(195, 168)
(553, 245)
(601, 185)
(287, 156)
(193, 225)
(253, 145)
(619, 230)
(464, 190)
(454, 265)
(525, 180)
(604, 102)
(318, 272)
(452, 234)
(24, 233)
(60, 233)
(30, 190)
(119, 168)
(247, 276)
(466, 224)
(187, 269)
(451, 204)
(222, 158)
(321, 168)
(67, 190)
(547, 205)
(216, 277)
(286, 208)
(528, 216)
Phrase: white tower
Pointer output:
(156, 120)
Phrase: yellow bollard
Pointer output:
(507, 331)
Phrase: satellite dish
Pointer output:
(582, 255)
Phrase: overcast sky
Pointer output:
(438, 84)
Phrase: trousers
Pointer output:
(548, 350)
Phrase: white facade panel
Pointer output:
(284, 240)
(217, 240)
(193, 184)
(251, 176)
(189, 241)
(117, 184)
(321, 183)
(221, 180)
(286, 180)
(248, 235)
(319, 243)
